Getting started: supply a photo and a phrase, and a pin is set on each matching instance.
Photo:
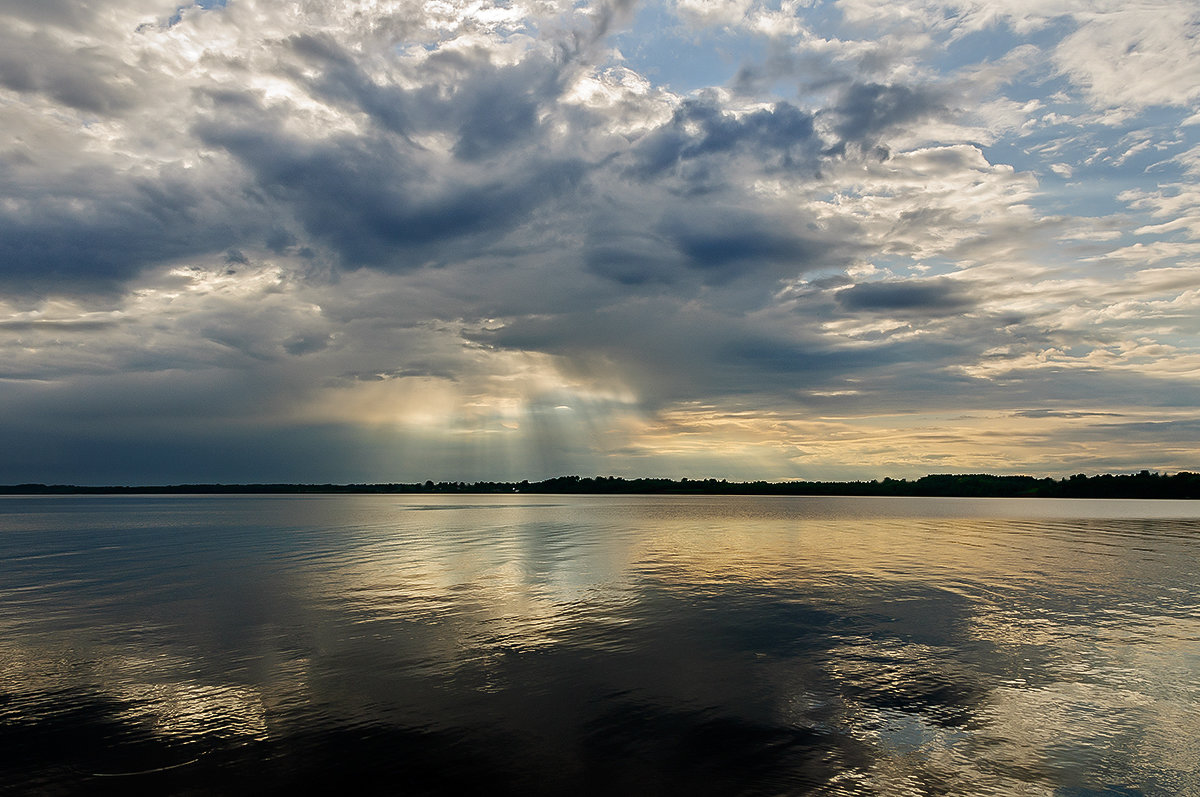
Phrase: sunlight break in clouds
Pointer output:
(389, 241)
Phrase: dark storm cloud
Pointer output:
(94, 227)
(701, 128)
(494, 117)
(709, 248)
(136, 399)
(725, 243)
(667, 349)
(632, 257)
(189, 452)
(674, 350)
(490, 109)
(784, 360)
(300, 345)
(880, 371)
(496, 110)
(702, 243)
(377, 196)
(920, 297)
(864, 111)
(366, 197)
(83, 79)
(694, 157)
(673, 353)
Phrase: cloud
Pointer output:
(1135, 57)
(1046, 413)
(488, 109)
(921, 297)
(84, 81)
(374, 201)
(700, 128)
(440, 222)
(91, 226)
(714, 12)
(865, 111)
(727, 243)
(631, 256)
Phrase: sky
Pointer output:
(390, 241)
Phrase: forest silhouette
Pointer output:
(975, 485)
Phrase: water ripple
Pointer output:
(600, 645)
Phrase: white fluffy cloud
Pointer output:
(1136, 56)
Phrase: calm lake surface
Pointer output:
(533, 645)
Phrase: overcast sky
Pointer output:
(324, 240)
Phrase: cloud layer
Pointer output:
(396, 241)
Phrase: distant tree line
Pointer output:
(981, 485)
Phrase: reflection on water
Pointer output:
(650, 645)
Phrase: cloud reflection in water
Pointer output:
(600, 645)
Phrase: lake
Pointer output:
(550, 644)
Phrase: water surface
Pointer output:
(530, 645)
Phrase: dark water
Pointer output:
(598, 645)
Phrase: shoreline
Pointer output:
(1182, 485)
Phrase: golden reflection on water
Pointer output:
(1114, 668)
(191, 711)
(978, 646)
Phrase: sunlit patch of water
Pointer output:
(600, 644)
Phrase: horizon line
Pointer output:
(1143, 483)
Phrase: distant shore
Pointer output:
(1133, 485)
